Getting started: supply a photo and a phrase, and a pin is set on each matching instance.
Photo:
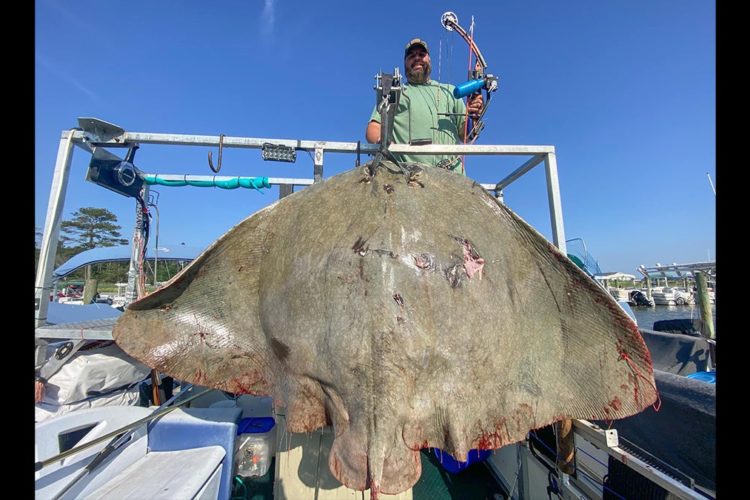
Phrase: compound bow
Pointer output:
(478, 78)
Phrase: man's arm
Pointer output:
(373, 132)
(474, 105)
(38, 391)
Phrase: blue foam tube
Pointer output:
(468, 88)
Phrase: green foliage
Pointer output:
(91, 227)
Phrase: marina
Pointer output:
(646, 316)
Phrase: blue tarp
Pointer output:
(122, 254)
(71, 313)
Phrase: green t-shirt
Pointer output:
(417, 117)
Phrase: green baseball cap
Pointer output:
(413, 42)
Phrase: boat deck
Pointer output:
(435, 483)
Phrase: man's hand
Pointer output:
(474, 105)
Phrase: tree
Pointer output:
(92, 227)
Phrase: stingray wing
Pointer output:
(520, 336)
(203, 327)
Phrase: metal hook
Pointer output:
(221, 148)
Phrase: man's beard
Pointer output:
(419, 76)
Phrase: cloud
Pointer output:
(64, 75)
(80, 23)
(267, 18)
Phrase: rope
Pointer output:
(553, 452)
(142, 242)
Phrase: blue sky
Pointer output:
(624, 90)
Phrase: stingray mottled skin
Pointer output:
(408, 311)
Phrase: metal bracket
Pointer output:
(318, 163)
(601, 438)
(500, 196)
(388, 88)
(99, 132)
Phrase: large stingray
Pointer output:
(409, 311)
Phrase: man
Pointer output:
(427, 111)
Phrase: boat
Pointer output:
(639, 298)
(188, 453)
(672, 296)
(685, 273)
(163, 451)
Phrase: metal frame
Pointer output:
(95, 132)
(607, 440)
(680, 270)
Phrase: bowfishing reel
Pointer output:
(487, 82)
(116, 174)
